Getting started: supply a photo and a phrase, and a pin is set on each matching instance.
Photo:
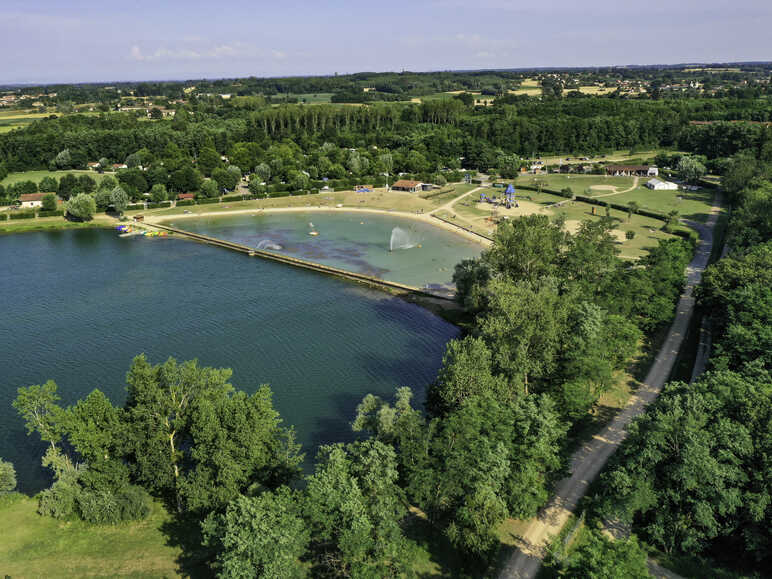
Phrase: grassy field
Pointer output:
(470, 213)
(17, 118)
(38, 176)
(693, 205)
(36, 546)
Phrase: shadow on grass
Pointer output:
(437, 556)
(184, 532)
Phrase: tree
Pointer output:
(599, 557)
(68, 186)
(263, 171)
(7, 477)
(158, 193)
(133, 161)
(225, 179)
(522, 328)
(49, 202)
(209, 189)
(692, 471)
(119, 199)
(354, 507)
(82, 206)
(466, 372)
(632, 207)
(102, 199)
(48, 183)
(630, 234)
(195, 443)
(263, 536)
(208, 160)
(63, 159)
(690, 169)
(38, 406)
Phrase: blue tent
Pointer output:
(510, 190)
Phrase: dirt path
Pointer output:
(449, 205)
(635, 184)
(588, 461)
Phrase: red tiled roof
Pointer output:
(31, 197)
(405, 183)
(185, 196)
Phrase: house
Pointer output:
(407, 185)
(117, 166)
(30, 200)
(93, 165)
(659, 185)
(653, 172)
(629, 170)
(183, 196)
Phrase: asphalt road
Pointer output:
(588, 461)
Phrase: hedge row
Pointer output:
(136, 207)
(56, 213)
(184, 202)
(205, 201)
(235, 197)
(619, 207)
(24, 215)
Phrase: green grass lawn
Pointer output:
(694, 205)
(578, 183)
(38, 176)
(36, 546)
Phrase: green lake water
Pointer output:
(79, 305)
(422, 255)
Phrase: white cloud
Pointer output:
(235, 50)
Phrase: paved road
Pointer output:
(589, 460)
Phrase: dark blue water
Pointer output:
(79, 305)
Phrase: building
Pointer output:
(30, 200)
(659, 185)
(182, 196)
(407, 185)
(632, 170)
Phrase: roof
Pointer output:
(406, 183)
(627, 167)
(31, 197)
(185, 196)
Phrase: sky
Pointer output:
(77, 41)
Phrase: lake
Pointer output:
(79, 305)
(422, 254)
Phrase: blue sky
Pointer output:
(78, 41)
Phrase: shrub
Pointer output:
(22, 215)
(629, 234)
(56, 213)
(279, 194)
(133, 503)
(184, 202)
(136, 207)
(235, 197)
(7, 477)
(59, 501)
(98, 507)
(165, 204)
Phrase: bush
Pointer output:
(279, 194)
(629, 234)
(56, 213)
(133, 503)
(235, 197)
(165, 204)
(59, 501)
(98, 507)
(22, 215)
(206, 201)
(185, 202)
(7, 477)
(136, 207)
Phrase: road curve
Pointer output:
(588, 461)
